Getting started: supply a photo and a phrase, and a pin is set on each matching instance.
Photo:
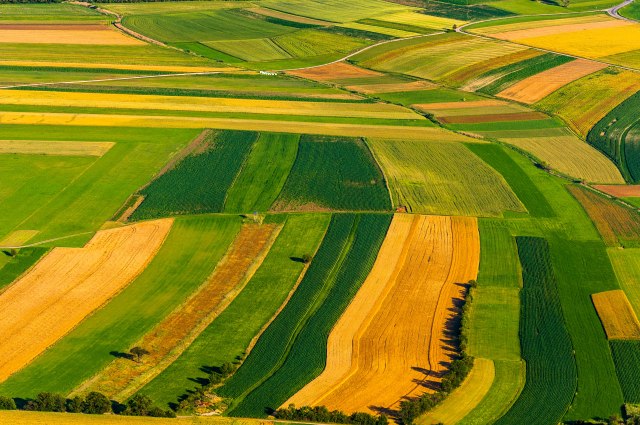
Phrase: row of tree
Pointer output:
(322, 414)
(458, 369)
(94, 403)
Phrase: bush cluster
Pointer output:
(189, 402)
(322, 414)
(458, 369)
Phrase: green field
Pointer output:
(424, 180)
(230, 334)
(12, 267)
(188, 256)
(626, 355)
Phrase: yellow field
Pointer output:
(522, 26)
(464, 398)
(39, 147)
(165, 68)
(206, 104)
(420, 20)
(560, 28)
(535, 88)
(390, 344)
(67, 35)
(616, 314)
(67, 285)
(153, 121)
(169, 338)
(571, 156)
(17, 238)
(17, 417)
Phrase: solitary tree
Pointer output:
(138, 352)
(96, 403)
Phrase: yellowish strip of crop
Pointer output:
(167, 68)
(68, 36)
(17, 237)
(40, 147)
(380, 30)
(206, 104)
(616, 314)
(331, 129)
(523, 26)
(420, 20)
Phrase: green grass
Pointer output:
(229, 334)
(334, 173)
(500, 126)
(428, 96)
(518, 180)
(276, 341)
(307, 356)
(199, 182)
(192, 249)
(423, 178)
(49, 13)
(626, 355)
(334, 10)
(626, 264)
(14, 267)
(203, 26)
(476, 12)
(311, 42)
(263, 174)
(546, 344)
(257, 49)
(632, 11)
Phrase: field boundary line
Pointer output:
(47, 241)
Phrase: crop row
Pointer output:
(626, 356)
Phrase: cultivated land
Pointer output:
(285, 201)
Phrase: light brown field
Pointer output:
(17, 238)
(464, 398)
(460, 105)
(334, 71)
(620, 190)
(474, 119)
(559, 29)
(616, 314)
(288, 17)
(67, 285)
(392, 87)
(66, 34)
(535, 88)
(518, 26)
(40, 147)
(156, 121)
(394, 347)
(169, 338)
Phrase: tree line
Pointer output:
(322, 414)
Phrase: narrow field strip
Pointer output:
(335, 71)
(119, 66)
(17, 238)
(616, 314)
(155, 121)
(68, 35)
(465, 398)
(67, 285)
(559, 29)
(535, 88)
(168, 340)
(398, 350)
(620, 190)
(392, 87)
(41, 147)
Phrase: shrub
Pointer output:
(47, 402)
(7, 403)
(96, 403)
(74, 405)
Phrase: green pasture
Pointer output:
(334, 10)
(49, 13)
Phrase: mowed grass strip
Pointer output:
(333, 173)
(68, 285)
(306, 357)
(190, 252)
(199, 182)
(423, 179)
(546, 344)
(616, 314)
(263, 174)
(617, 224)
(40, 147)
(237, 327)
(169, 338)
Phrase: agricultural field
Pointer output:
(269, 212)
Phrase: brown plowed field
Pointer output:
(475, 119)
(616, 314)
(535, 88)
(123, 377)
(67, 285)
(334, 71)
(398, 344)
(619, 190)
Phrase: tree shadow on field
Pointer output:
(121, 355)
(389, 413)
(297, 259)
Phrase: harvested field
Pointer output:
(464, 398)
(618, 225)
(66, 34)
(159, 121)
(334, 71)
(392, 87)
(171, 337)
(616, 314)
(558, 29)
(394, 347)
(620, 190)
(38, 147)
(539, 86)
(571, 156)
(69, 284)
(475, 119)
(17, 238)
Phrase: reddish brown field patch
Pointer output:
(619, 190)
(475, 119)
(334, 71)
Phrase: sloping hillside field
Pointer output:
(269, 212)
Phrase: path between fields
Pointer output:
(46, 241)
(613, 12)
